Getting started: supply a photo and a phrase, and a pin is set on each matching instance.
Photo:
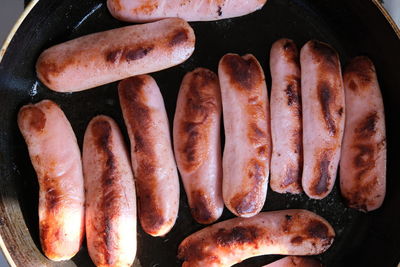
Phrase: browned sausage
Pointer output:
(363, 160)
(197, 143)
(56, 158)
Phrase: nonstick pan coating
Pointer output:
(352, 27)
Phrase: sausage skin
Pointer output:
(247, 134)
(190, 10)
(110, 195)
(56, 158)
(323, 106)
(197, 143)
(153, 162)
(286, 232)
(363, 159)
(294, 261)
(286, 121)
(108, 56)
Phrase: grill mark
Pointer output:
(102, 132)
(178, 37)
(49, 68)
(137, 53)
(326, 99)
(138, 116)
(256, 114)
(244, 73)
(321, 184)
(238, 236)
(367, 127)
(202, 102)
(249, 199)
(196, 251)
(201, 207)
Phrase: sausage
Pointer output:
(190, 10)
(286, 232)
(323, 117)
(294, 261)
(363, 159)
(286, 121)
(153, 162)
(247, 151)
(108, 56)
(110, 195)
(197, 143)
(56, 158)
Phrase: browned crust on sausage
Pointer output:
(326, 97)
(201, 207)
(35, 116)
(116, 4)
(138, 116)
(248, 200)
(293, 92)
(290, 51)
(362, 70)
(205, 248)
(321, 185)
(178, 37)
(128, 53)
(367, 127)
(244, 73)
(292, 177)
(325, 55)
(111, 189)
(201, 103)
(147, 8)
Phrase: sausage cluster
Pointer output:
(313, 119)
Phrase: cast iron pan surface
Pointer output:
(352, 27)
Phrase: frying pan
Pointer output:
(352, 27)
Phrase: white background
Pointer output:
(11, 9)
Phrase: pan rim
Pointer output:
(7, 254)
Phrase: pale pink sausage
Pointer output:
(247, 134)
(286, 232)
(295, 261)
(323, 107)
(286, 123)
(363, 160)
(190, 10)
(110, 195)
(56, 159)
(108, 56)
(197, 143)
(153, 162)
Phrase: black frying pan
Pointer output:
(352, 27)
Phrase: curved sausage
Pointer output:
(56, 158)
(286, 232)
(197, 143)
(110, 195)
(363, 159)
(190, 10)
(323, 102)
(294, 261)
(153, 161)
(108, 56)
(247, 134)
(286, 122)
